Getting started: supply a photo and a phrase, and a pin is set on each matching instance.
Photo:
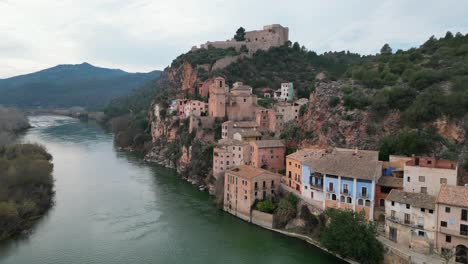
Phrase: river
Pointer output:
(112, 207)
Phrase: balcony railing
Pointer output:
(364, 195)
(345, 192)
(317, 186)
(406, 222)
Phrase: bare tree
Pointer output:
(12, 120)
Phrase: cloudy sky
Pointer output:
(144, 35)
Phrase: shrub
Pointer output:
(287, 210)
(333, 101)
(266, 206)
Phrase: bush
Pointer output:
(408, 142)
(266, 206)
(351, 236)
(333, 101)
(287, 210)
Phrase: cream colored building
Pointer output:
(452, 216)
(411, 220)
(426, 175)
(229, 153)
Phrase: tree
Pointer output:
(386, 50)
(350, 235)
(449, 35)
(296, 46)
(240, 34)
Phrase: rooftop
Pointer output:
(248, 172)
(453, 195)
(350, 163)
(242, 124)
(272, 143)
(250, 133)
(303, 154)
(419, 200)
(430, 162)
(389, 181)
(231, 142)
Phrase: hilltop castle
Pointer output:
(273, 35)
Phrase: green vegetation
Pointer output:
(287, 210)
(203, 56)
(266, 206)
(291, 132)
(409, 142)
(423, 83)
(25, 186)
(240, 34)
(345, 229)
(288, 64)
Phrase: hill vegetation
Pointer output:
(70, 85)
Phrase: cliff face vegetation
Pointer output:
(418, 96)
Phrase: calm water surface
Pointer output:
(111, 207)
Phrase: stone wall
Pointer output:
(262, 219)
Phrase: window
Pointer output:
(448, 239)
(334, 197)
(360, 202)
(349, 200)
(422, 179)
(330, 187)
(464, 215)
(345, 188)
(447, 209)
(423, 210)
(407, 218)
(256, 185)
(264, 184)
(393, 203)
(408, 179)
(431, 211)
(464, 230)
(392, 214)
(443, 180)
(408, 206)
(424, 190)
(312, 195)
(443, 224)
(421, 233)
(364, 191)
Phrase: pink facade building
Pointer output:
(268, 154)
(229, 128)
(195, 108)
(229, 153)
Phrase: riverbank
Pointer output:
(26, 187)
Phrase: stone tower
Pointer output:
(217, 98)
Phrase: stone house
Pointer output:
(229, 128)
(426, 175)
(268, 154)
(269, 120)
(229, 153)
(290, 111)
(343, 179)
(285, 93)
(195, 108)
(243, 185)
(452, 221)
(248, 135)
(200, 122)
(180, 106)
(411, 220)
(241, 103)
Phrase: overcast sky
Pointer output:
(144, 35)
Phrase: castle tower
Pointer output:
(217, 98)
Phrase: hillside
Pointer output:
(70, 85)
(403, 102)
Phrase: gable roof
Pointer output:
(419, 200)
(249, 172)
(360, 165)
(389, 181)
(453, 195)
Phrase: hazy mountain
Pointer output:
(71, 85)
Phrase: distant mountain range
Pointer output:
(70, 85)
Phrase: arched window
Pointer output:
(342, 199)
(334, 197)
(367, 203)
(360, 202)
(349, 200)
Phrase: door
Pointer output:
(393, 234)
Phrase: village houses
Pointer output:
(243, 185)
(229, 153)
(268, 154)
(285, 93)
(229, 128)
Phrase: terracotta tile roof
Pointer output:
(249, 172)
(361, 165)
(273, 143)
(242, 88)
(388, 181)
(453, 195)
(419, 200)
(303, 154)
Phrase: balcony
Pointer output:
(331, 190)
(406, 222)
(345, 192)
(454, 232)
(364, 195)
(316, 186)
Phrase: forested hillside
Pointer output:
(70, 85)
